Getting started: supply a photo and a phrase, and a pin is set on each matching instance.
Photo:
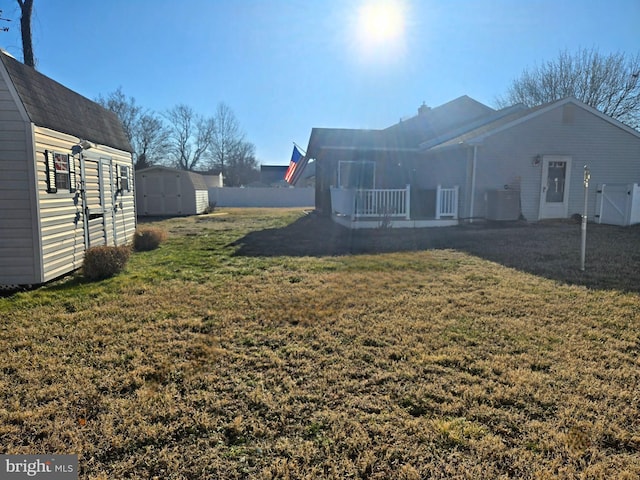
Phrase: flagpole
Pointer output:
(300, 148)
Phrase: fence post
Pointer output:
(407, 201)
(438, 205)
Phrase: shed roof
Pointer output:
(52, 105)
(197, 180)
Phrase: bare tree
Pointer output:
(146, 132)
(151, 141)
(26, 8)
(190, 136)
(608, 83)
(125, 108)
(242, 167)
(227, 138)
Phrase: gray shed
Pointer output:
(163, 191)
(65, 177)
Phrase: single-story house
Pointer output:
(464, 161)
(167, 192)
(273, 176)
(66, 177)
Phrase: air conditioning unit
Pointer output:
(503, 204)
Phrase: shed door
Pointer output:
(554, 189)
(97, 197)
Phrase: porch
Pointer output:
(395, 208)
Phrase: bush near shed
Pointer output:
(148, 238)
(105, 261)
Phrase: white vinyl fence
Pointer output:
(262, 197)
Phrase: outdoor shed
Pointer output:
(65, 177)
(163, 191)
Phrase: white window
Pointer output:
(124, 184)
(61, 175)
(356, 174)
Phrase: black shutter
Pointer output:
(72, 173)
(127, 174)
(119, 179)
(50, 173)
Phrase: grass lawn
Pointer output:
(269, 344)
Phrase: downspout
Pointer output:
(473, 182)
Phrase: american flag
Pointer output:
(295, 166)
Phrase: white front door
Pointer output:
(554, 186)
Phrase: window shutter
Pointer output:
(127, 173)
(50, 173)
(72, 173)
(119, 178)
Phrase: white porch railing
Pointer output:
(395, 203)
(363, 203)
(447, 202)
(383, 203)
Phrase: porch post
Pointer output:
(354, 203)
(456, 189)
(408, 202)
(438, 202)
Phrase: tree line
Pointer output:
(182, 138)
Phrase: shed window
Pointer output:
(124, 184)
(61, 175)
(358, 174)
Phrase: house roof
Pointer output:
(270, 174)
(433, 122)
(349, 139)
(408, 134)
(52, 105)
(478, 134)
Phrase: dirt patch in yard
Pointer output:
(548, 249)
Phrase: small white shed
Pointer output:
(167, 192)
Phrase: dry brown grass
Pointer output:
(209, 359)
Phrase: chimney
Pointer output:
(423, 109)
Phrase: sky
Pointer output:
(286, 66)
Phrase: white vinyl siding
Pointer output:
(165, 192)
(202, 200)
(62, 214)
(17, 246)
(513, 157)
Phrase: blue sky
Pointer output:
(286, 66)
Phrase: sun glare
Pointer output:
(380, 28)
(380, 21)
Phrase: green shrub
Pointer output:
(104, 262)
(148, 238)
